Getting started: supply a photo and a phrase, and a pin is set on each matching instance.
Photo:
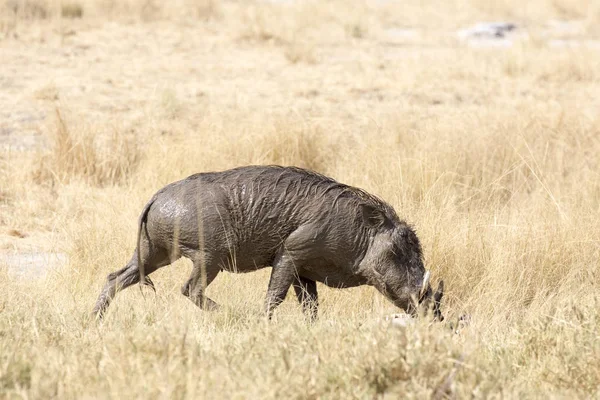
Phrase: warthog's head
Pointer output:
(393, 264)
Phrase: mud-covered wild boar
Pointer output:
(309, 228)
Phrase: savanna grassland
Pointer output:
(490, 151)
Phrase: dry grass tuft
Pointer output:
(207, 9)
(80, 156)
(300, 52)
(29, 9)
(71, 10)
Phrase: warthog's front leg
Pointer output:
(306, 292)
(282, 276)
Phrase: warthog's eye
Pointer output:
(398, 256)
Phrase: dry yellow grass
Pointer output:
(491, 153)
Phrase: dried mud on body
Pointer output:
(488, 147)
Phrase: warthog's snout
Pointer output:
(428, 299)
(415, 298)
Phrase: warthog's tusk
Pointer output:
(425, 284)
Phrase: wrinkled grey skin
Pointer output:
(308, 227)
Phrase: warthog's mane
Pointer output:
(322, 187)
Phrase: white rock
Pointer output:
(401, 320)
(488, 30)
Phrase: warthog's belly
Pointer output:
(333, 276)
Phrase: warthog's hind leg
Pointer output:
(202, 276)
(306, 292)
(115, 282)
(125, 277)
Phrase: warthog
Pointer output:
(309, 228)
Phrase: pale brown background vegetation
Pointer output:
(490, 152)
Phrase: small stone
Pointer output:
(401, 320)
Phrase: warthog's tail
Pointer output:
(143, 219)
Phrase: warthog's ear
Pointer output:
(372, 216)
